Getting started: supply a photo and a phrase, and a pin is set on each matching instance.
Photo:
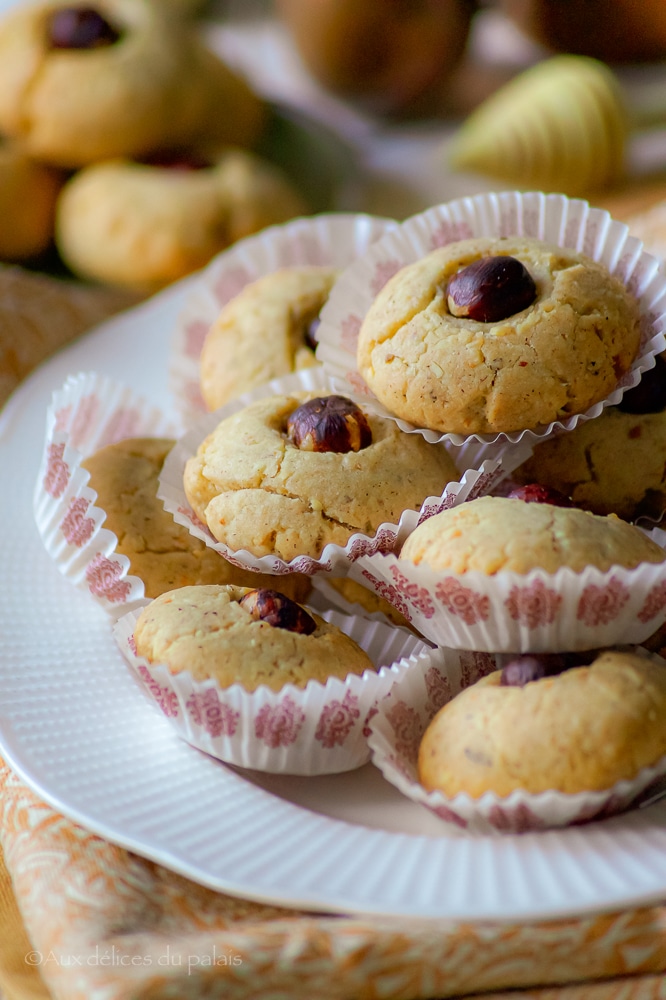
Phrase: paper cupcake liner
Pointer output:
(319, 729)
(552, 218)
(475, 481)
(396, 730)
(89, 412)
(520, 613)
(328, 240)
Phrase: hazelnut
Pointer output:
(175, 159)
(80, 28)
(329, 423)
(491, 289)
(521, 670)
(535, 493)
(277, 610)
(649, 396)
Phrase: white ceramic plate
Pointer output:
(80, 731)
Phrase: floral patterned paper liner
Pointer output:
(89, 412)
(532, 612)
(474, 481)
(323, 240)
(398, 725)
(319, 729)
(553, 218)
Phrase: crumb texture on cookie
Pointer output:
(554, 358)
(491, 534)
(582, 730)
(161, 552)
(261, 334)
(257, 491)
(205, 631)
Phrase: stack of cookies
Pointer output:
(128, 143)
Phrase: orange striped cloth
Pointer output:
(99, 923)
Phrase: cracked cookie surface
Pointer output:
(204, 630)
(490, 534)
(613, 464)
(261, 334)
(257, 491)
(582, 730)
(557, 357)
(161, 552)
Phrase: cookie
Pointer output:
(144, 225)
(497, 335)
(581, 730)
(282, 476)
(28, 195)
(161, 552)
(491, 534)
(615, 463)
(118, 78)
(266, 331)
(212, 632)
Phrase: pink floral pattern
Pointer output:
(450, 232)
(430, 509)
(164, 696)
(357, 383)
(462, 601)
(654, 603)
(75, 526)
(485, 483)
(383, 272)
(124, 422)
(206, 710)
(349, 330)
(366, 722)
(337, 720)
(104, 579)
(83, 418)
(474, 666)
(448, 815)
(519, 819)
(279, 725)
(406, 725)
(229, 283)
(57, 471)
(508, 224)
(533, 605)
(389, 593)
(194, 336)
(418, 597)
(384, 541)
(601, 605)
(439, 691)
(62, 418)
(192, 394)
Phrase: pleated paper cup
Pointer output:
(89, 412)
(327, 240)
(515, 612)
(396, 730)
(475, 480)
(552, 218)
(319, 729)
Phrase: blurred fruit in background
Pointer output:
(616, 31)
(392, 56)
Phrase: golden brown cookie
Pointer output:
(28, 195)
(582, 730)
(489, 335)
(161, 552)
(116, 78)
(490, 534)
(282, 476)
(144, 225)
(264, 332)
(212, 632)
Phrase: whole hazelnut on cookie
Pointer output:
(329, 423)
(497, 336)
